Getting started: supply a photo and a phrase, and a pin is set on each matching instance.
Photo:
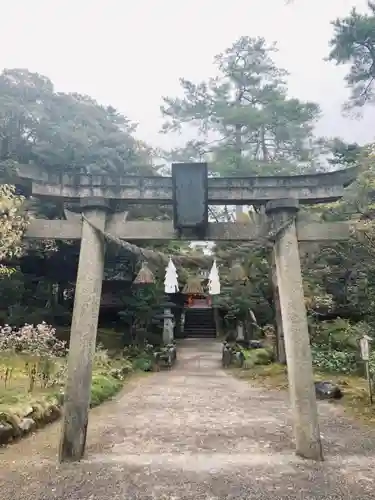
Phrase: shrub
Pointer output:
(335, 346)
(339, 334)
(262, 356)
(254, 357)
(334, 361)
(40, 340)
(134, 351)
(142, 363)
(37, 347)
(141, 357)
(248, 364)
(59, 375)
(101, 358)
(103, 387)
(126, 367)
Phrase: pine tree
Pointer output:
(245, 121)
(354, 42)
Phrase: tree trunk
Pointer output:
(263, 144)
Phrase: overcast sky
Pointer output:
(130, 53)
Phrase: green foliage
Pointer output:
(102, 360)
(36, 348)
(354, 42)
(63, 131)
(257, 127)
(340, 277)
(339, 333)
(58, 132)
(141, 357)
(255, 357)
(334, 361)
(126, 366)
(143, 363)
(103, 387)
(13, 222)
(237, 299)
(18, 407)
(12, 290)
(37, 406)
(141, 304)
(345, 155)
(335, 346)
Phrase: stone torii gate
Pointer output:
(103, 203)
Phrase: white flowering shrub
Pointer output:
(101, 359)
(13, 223)
(37, 347)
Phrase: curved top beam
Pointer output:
(310, 188)
(343, 177)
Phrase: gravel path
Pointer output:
(194, 433)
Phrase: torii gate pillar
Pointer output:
(83, 331)
(295, 328)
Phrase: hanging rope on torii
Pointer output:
(158, 257)
(190, 191)
(154, 256)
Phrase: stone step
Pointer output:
(199, 323)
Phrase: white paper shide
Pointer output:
(214, 280)
(171, 278)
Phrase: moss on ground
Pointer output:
(21, 412)
(355, 389)
(103, 387)
(254, 357)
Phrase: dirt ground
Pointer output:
(194, 433)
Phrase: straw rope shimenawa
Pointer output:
(197, 261)
(154, 256)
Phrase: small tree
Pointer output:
(140, 307)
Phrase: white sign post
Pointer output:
(365, 355)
